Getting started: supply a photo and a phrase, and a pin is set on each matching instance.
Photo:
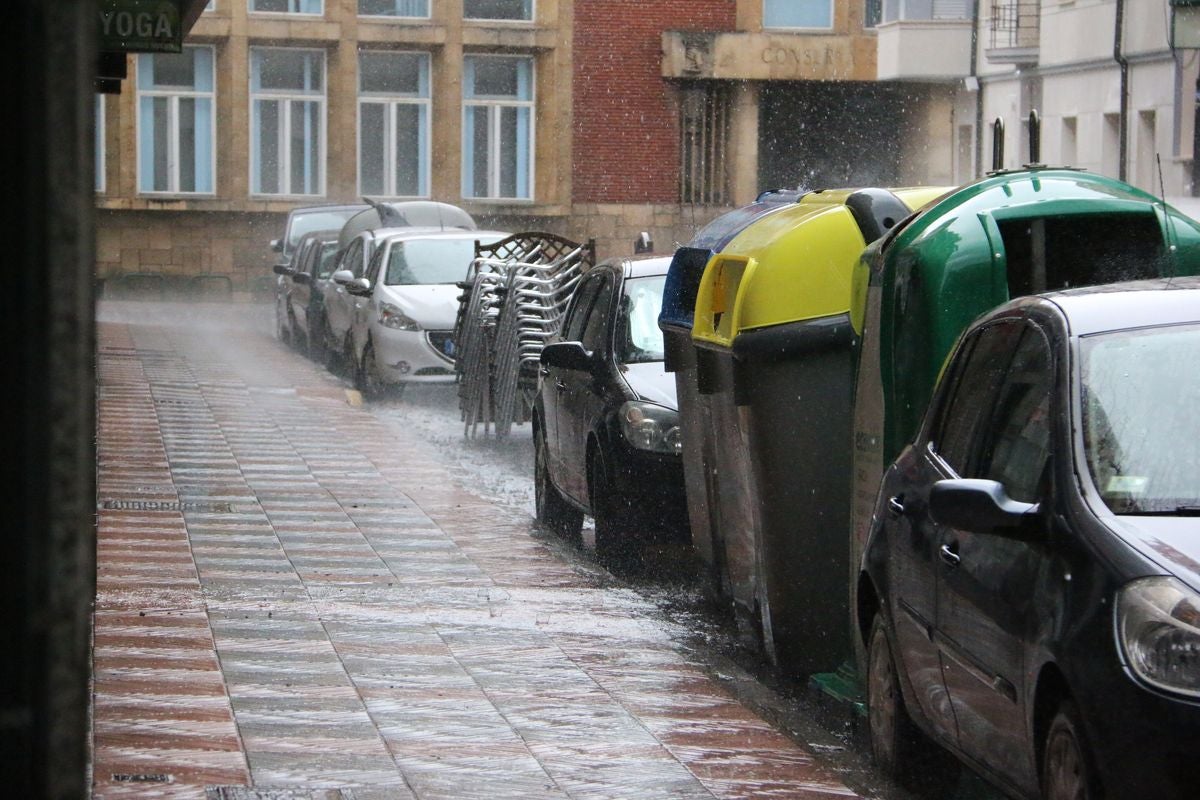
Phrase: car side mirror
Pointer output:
(277, 245)
(342, 277)
(359, 286)
(302, 278)
(567, 355)
(981, 506)
(282, 269)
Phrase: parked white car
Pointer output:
(357, 241)
(403, 331)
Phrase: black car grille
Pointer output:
(442, 341)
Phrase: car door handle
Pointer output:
(895, 505)
(947, 554)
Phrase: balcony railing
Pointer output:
(1015, 30)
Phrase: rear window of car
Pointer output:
(316, 221)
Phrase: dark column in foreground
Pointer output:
(47, 563)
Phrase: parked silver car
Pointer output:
(402, 329)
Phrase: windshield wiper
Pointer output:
(1178, 511)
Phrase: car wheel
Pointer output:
(553, 512)
(893, 734)
(610, 511)
(366, 376)
(1066, 768)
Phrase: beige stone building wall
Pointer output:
(227, 234)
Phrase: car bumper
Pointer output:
(1146, 744)
(655, 482)
(408, 357)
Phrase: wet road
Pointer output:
(299, 596)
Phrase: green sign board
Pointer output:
(141, 26)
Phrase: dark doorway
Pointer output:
(823, 135)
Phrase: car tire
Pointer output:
(893, 734)
(1067, 772)
(366, 375)
(610, 512)
(554, 513)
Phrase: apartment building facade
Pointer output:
(589, 118)
(1111, 94)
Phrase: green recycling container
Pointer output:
(1010, 234)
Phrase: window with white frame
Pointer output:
(211, 5)
(176, 122)
(99, 144)
(498, 127)
(393, 8)
(498, 9)
(287, 121)
(287, 6)
(393, 123)
(798, 14)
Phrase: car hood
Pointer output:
(651, 382)
(433, 306)
(1171, 542)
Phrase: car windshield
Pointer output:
(418, 261)
(317, 221)
(1141, 432)
(638, 336)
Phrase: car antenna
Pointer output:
(1170, 227)
(441, 222)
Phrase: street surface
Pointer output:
(311, 597)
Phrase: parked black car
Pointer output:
(309, 271)
(605, 423)
(299, 222)
(1030, 593)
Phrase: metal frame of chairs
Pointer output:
(513, 301)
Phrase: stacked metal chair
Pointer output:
(513, 301)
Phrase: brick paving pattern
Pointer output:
(292, 598)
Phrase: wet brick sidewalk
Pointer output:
(292, 599)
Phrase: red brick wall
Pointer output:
(626, 141)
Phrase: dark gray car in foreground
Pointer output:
(1030, 592)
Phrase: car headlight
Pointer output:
(391, 316)
(1158, 623)
(650, 427)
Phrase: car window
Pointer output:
(577, 313)
(597, 328)
(302, 223)
(376, 264)
(639, 339)
(353, 259)
(327, 259)
(967, 413)
(1017, 447)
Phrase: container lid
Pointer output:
(796, 264)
